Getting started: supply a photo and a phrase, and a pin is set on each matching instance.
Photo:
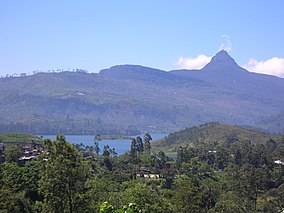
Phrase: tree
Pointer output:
(15, 188)
(222, 158)
(180, 158)
(63, 177)
(187, 196)
(12, 153)
(140, 146)
(100, 190)
(96, 144)
(147, 145)
(98, 137)
(130, 208)
(106, 151)
(147, 198)
(242, 152)
(113, 152)
(96, 147)
(184, 154)
(133, 151)
(106, 208)
(11, 177)
(227, 206)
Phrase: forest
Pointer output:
(239, 177)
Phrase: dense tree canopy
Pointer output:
(240, 177)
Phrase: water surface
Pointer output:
(121, 146)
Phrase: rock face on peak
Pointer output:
(127, 99)
(222, 58)
(223, 64)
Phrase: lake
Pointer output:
(121, 146)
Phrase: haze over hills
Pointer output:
(128, 99)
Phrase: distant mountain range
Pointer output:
(128, 99)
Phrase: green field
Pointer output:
(17, 137)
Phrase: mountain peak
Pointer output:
(222, 61)
(223, 58)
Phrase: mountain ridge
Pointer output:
(138, 98)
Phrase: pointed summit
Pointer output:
(222, 62)
(223, 58)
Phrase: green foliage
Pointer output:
(18, 137)
(100, 190)
(106, 208)
(227, 206)
(211, 135)
(18, 187)
(147, 145)
(12, 153)
(207, 177)
(187, 196)
(130, 208)
(63, 177)
(146, 197)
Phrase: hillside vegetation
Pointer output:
(242, 178)
(17, 137)
(212, 135)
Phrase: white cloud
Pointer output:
(227, 44)
(201, 60)
(272, 66)
(193, 63)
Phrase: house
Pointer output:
(279, 162)
(143, 171)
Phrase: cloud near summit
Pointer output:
(201, 60)
(193, 63)
(227, 44)
(272, 66)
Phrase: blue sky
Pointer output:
(93, 35)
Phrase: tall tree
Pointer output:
(133, 151)
(187, 196)
(140, 146)
(63, 177)
(96, 144)
(96, 147)
(147, 145)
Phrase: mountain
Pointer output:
(128, 99)
(212, 134)
(224, 71)
(271, 123)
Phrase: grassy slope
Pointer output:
(211, 133)
(17, 137)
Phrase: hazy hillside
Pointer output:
(129, 99)
(272, 123)
(212, 134)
